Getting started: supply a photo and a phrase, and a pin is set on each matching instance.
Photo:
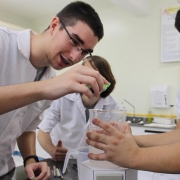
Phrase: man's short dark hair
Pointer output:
(80, 11)
(177, 21)
(104, 68)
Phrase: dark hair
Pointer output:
(177, 21)
(80, 11)
(100, 64)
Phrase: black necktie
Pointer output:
(87, 114)
(40, 73)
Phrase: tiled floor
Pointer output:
(142, 175)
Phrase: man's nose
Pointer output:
(75, 56)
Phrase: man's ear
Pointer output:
(54, 24)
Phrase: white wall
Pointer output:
(14, 20)
(12, 26)
(132, 46)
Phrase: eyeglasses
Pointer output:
(86, 59)
(75, 43)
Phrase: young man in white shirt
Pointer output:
(26, 57)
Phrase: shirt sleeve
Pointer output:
(2, 40)
(51, 117)
(3, 46)
(33, 126)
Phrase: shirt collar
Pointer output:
(23, 40)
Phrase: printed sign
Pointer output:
(170, 37)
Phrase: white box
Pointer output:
(160, 96)
(88, 172)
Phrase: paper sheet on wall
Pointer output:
(170, 37)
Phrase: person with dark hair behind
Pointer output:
(177, 21)
(64, 123)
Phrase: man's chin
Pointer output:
(60, 67)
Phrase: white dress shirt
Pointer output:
(15, 68)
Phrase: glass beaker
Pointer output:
(110, 116)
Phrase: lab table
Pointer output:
(71, 172)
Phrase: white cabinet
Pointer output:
(142, 130)
(137, 130)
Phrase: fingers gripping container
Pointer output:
(116, 118)
(105, 86)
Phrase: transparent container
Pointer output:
(150, 118)
(172, 114)
(117, 119)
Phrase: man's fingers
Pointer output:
(81, 88)
(86, 75)
(40, 167)
(97, 77)
(30, 173)
(45, 172)
(90, 81)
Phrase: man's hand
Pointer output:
(59, 153)
(74, 80)
(39, 170)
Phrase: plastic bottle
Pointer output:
(171, 115)
(149, 116)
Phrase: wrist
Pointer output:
(52, 151)
(138, 159)
(30, 159)
(40, 90)
(45, 89)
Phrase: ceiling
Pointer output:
(37, 9)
